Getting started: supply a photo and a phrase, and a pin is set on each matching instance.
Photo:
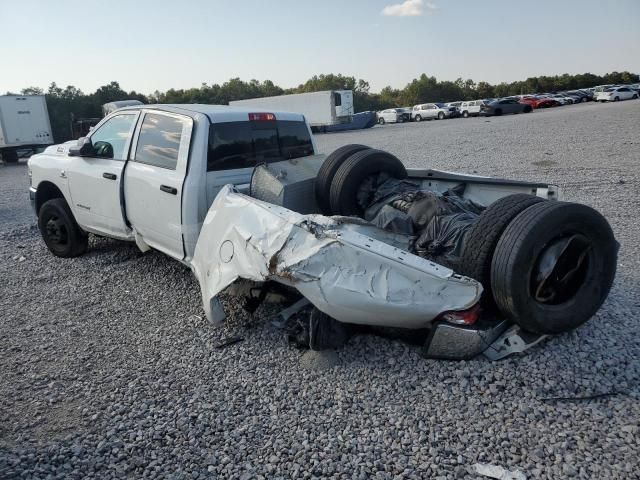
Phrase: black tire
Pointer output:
(327, 172)
(60, 231)
(521, 248)
(527, 109)
(441, 116)
(351, 174)
(497, 112)
(418, 118)
(481, 240)
(465, 114)
(10, 156)
(381, 121)
(635, 96)
(616, 99)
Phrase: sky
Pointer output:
(149, 45)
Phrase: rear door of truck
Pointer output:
(154, 178)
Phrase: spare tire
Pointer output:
(482, 238)
(553, 266)
(328, 170)
(343, 196)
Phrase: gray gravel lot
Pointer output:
(108, 370)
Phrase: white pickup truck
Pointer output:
(353, 238)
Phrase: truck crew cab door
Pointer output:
(95, 180)
(154, 178)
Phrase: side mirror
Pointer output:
(84, 148)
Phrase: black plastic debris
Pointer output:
(438, 222)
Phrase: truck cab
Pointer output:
(149, 173)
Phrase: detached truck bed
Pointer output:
(24, 124)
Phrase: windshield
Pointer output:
(246, 144)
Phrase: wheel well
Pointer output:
(46, 191)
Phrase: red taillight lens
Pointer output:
(261, 117)
(462, 317)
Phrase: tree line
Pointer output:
(71, 103)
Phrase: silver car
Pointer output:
(429, 111)
(392, 115)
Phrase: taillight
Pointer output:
(462, 317)
(261, 117)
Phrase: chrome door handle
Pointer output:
(63, 174)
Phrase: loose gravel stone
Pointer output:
(108, 370)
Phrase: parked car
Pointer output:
(393, 115)
(615, 94)
(429, 111)
(582, 95)
(455, 104)
(241, 197)
(504, 106)
(471, 109)
(539, 101)
(562, 99)
(602, 88)
(407, 112)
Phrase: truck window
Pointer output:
(159, 141)
(337, 99)
(111, 137)
(245, 144)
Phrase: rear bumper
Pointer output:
(458, 342)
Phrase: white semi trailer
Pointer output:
(24, 125)
(320, 109)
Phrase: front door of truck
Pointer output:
(154, 178)
(95, 181)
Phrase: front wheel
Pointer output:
(440, 116)
(59, 230)
(418, 118)
(465, 114)
(527, 109)
(381, 121)
(635, 96)
(617, 99)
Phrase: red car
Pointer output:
(539, 102)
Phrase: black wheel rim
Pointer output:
(57, 232)
(561, 269)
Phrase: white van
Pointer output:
(471, 109)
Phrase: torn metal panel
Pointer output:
(351, 277)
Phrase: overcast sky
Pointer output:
(150, 45)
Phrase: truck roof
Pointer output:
(219, 113)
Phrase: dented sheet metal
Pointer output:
(352, 277)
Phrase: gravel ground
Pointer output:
(108, 370)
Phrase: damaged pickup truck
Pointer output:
(348, 242)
